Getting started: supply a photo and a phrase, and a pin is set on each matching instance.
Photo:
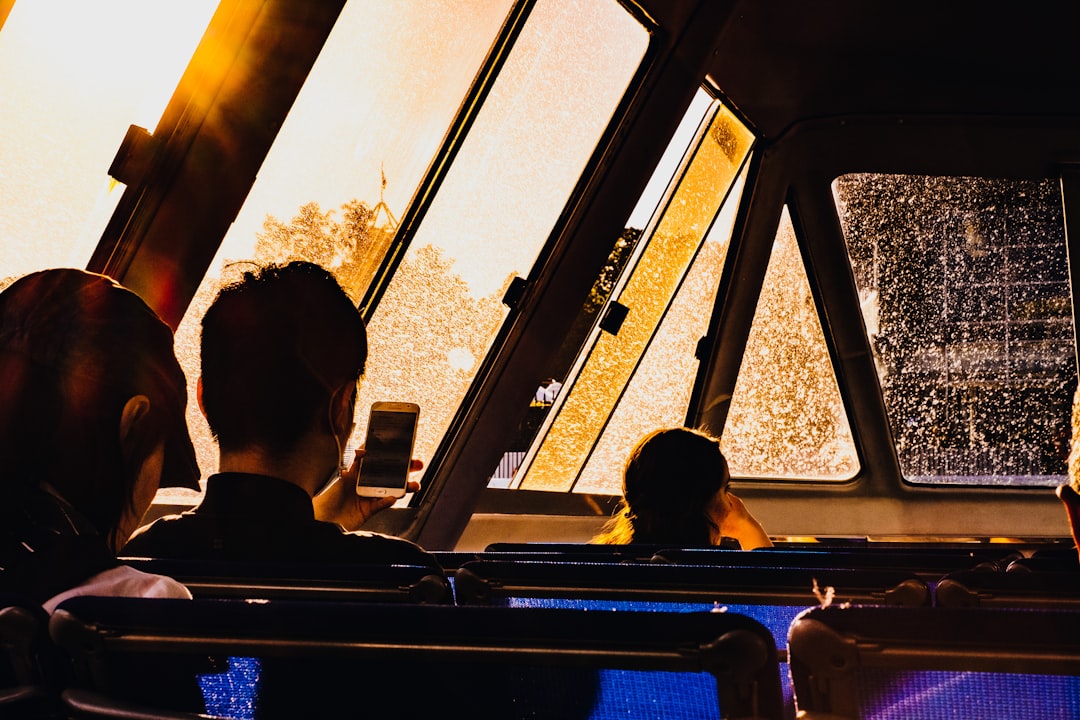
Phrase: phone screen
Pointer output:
(389, 446)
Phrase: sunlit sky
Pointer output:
(73, 76)
(393, 75)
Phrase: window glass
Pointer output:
(73, 77)
(349, 155)
(658, 394)
(964, 289)
(358, 142)
(787, 419)
(567, 73)
(660, 361)
(581, 333)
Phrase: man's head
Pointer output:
(89, 390)
(276, 347)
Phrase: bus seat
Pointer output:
(26, 673)
(773, 595)
(931, 663)
(452, 560)
(280, 581)
(981, 588)
(1047, 561)
(929, 564)
(410, 660)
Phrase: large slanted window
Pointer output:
(965, 296)
(636, 375)
(361, 145)
(73, 77)
(787, 418)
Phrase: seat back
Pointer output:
(415, 660)
(929, 564)
(929, 663)
(1035, 589)
(27, 678)
(774, 596)
(1046, 562)
(451, 560)
(570, 551)
(79, 704)
(282, 581)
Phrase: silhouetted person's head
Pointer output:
(92, 399)
(280, 348)
(671, 479)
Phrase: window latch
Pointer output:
(613, 318)
(134, 157)
(703, 349)
(515, 292)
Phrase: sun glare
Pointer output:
(137, 48)
(73, 76)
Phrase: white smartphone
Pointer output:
(391, 434)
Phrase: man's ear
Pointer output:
(135, 410)
(343, 408)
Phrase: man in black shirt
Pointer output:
(282, 352)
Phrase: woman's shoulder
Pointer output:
(123, 581)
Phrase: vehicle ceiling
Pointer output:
(780, 63)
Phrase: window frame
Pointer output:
(579, 246)
(193, 174)
(164, 238)
(798, 169)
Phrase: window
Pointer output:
(361, 137)
(73, 77)
(965, 296)
(639, 377)
(787, 418)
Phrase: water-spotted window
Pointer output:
(359, 148)
(787, 418)
(964, 288)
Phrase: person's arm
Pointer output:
(738, 523)
(339, 503)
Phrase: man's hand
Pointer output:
(339, 503)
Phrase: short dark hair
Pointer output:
(74, 348)
(275, 346)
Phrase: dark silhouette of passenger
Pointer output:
(282, 352)
(675, 490)
(92, 405)
(92, 421)
(1069, 492)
